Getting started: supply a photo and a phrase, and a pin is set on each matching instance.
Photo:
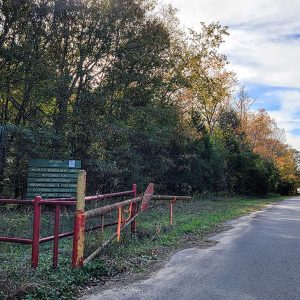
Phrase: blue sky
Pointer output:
(263, 48)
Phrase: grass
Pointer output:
(193, 221)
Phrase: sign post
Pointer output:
(79, 223)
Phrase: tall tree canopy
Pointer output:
(118, 84)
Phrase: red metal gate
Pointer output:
(135, 206)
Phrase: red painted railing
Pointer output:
(37, 203)
(79, 229)
(135, 206)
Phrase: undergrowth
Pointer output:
(193, 221)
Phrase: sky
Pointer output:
(263, 48)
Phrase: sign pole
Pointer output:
(79, 222)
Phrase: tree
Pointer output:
(119, 85)
(209, 83)
(267, 140)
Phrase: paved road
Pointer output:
(258, 259)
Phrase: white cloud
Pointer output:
(264, 46)
(259, 59)
(293, 140)
(237, 12)
(288, 117)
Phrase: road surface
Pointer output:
(259, 258)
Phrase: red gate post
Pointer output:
(79, 222)
(134, 210)
(56, 236)
(134, 188)
(36, 232)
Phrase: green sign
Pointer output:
(52, 178)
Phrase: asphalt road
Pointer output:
(258, 259)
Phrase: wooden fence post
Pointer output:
(79, 222)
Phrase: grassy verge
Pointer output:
(193, 221)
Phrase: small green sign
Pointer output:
(49, 190)
(52, 170)
(51, 195)
(52, 178)
(55, 163)
(50, 175)
(51, 184)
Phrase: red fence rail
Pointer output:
(133, 210)
(37, 203)
(81, 216)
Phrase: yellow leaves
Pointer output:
(267, 140)
(286, 164)
(263, 135)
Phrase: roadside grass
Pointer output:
(193, 222)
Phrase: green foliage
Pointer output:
(117, 85)
(246, 172)
(287, 186)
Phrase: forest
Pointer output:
(119, 85)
